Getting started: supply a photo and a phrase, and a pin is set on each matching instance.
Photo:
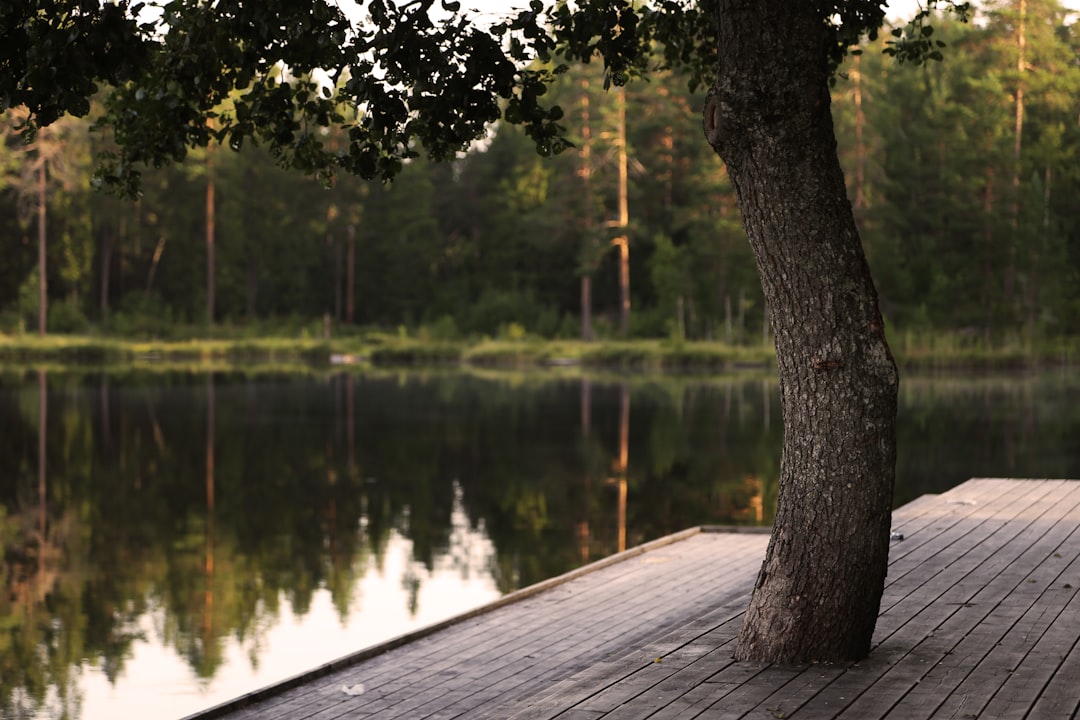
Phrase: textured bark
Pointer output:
(768, 116)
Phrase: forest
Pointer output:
(963, 175)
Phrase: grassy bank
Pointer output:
(382, 350)
(913, 352)
(928, 351)
(82, 350)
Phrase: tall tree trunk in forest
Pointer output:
(860, 202)
(248, 211)
(1018, 129)
(667, 142)
(987, 291)
(586, 306)
(106, 266)
(350, 274)
(251, 286)
(155, 260)
(585, 153)
(43, 282)
(333, 249)
(1034, 255)
(768, 116)
(210, 226)
(623, 221)
(1018, 146)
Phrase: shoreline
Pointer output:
(384, 351)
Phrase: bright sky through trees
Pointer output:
(897, 9)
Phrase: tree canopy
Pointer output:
(708, 283)
(407, 78)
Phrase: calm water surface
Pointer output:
(174, 540)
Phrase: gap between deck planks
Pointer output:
(979, 619)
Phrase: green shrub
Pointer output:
(512, 331)
(141, 316)
(443, 329)
(67, 317)
(547, 322)
(569, 328)
(416, 353)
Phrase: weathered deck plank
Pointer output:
(971, 616)
(980, 663)
(979, 619)
(563, 655)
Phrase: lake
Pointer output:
(172, 539)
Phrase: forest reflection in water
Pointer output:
(181, 539)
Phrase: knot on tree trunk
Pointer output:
(712, 120)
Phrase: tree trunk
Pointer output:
(623, 241)
(43, 276)
(210, 227)
(861, 202)
(251, 287)
(586, 307)
(106, 266)
(987, 290)
(585, 154)
(350, 275)
(155, 260)
(818, 592)
(333, 249)
(623, 244)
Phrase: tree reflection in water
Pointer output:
(233, 524)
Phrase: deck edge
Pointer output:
(737, 529)
(241, 701)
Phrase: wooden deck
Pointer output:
(980, 619)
